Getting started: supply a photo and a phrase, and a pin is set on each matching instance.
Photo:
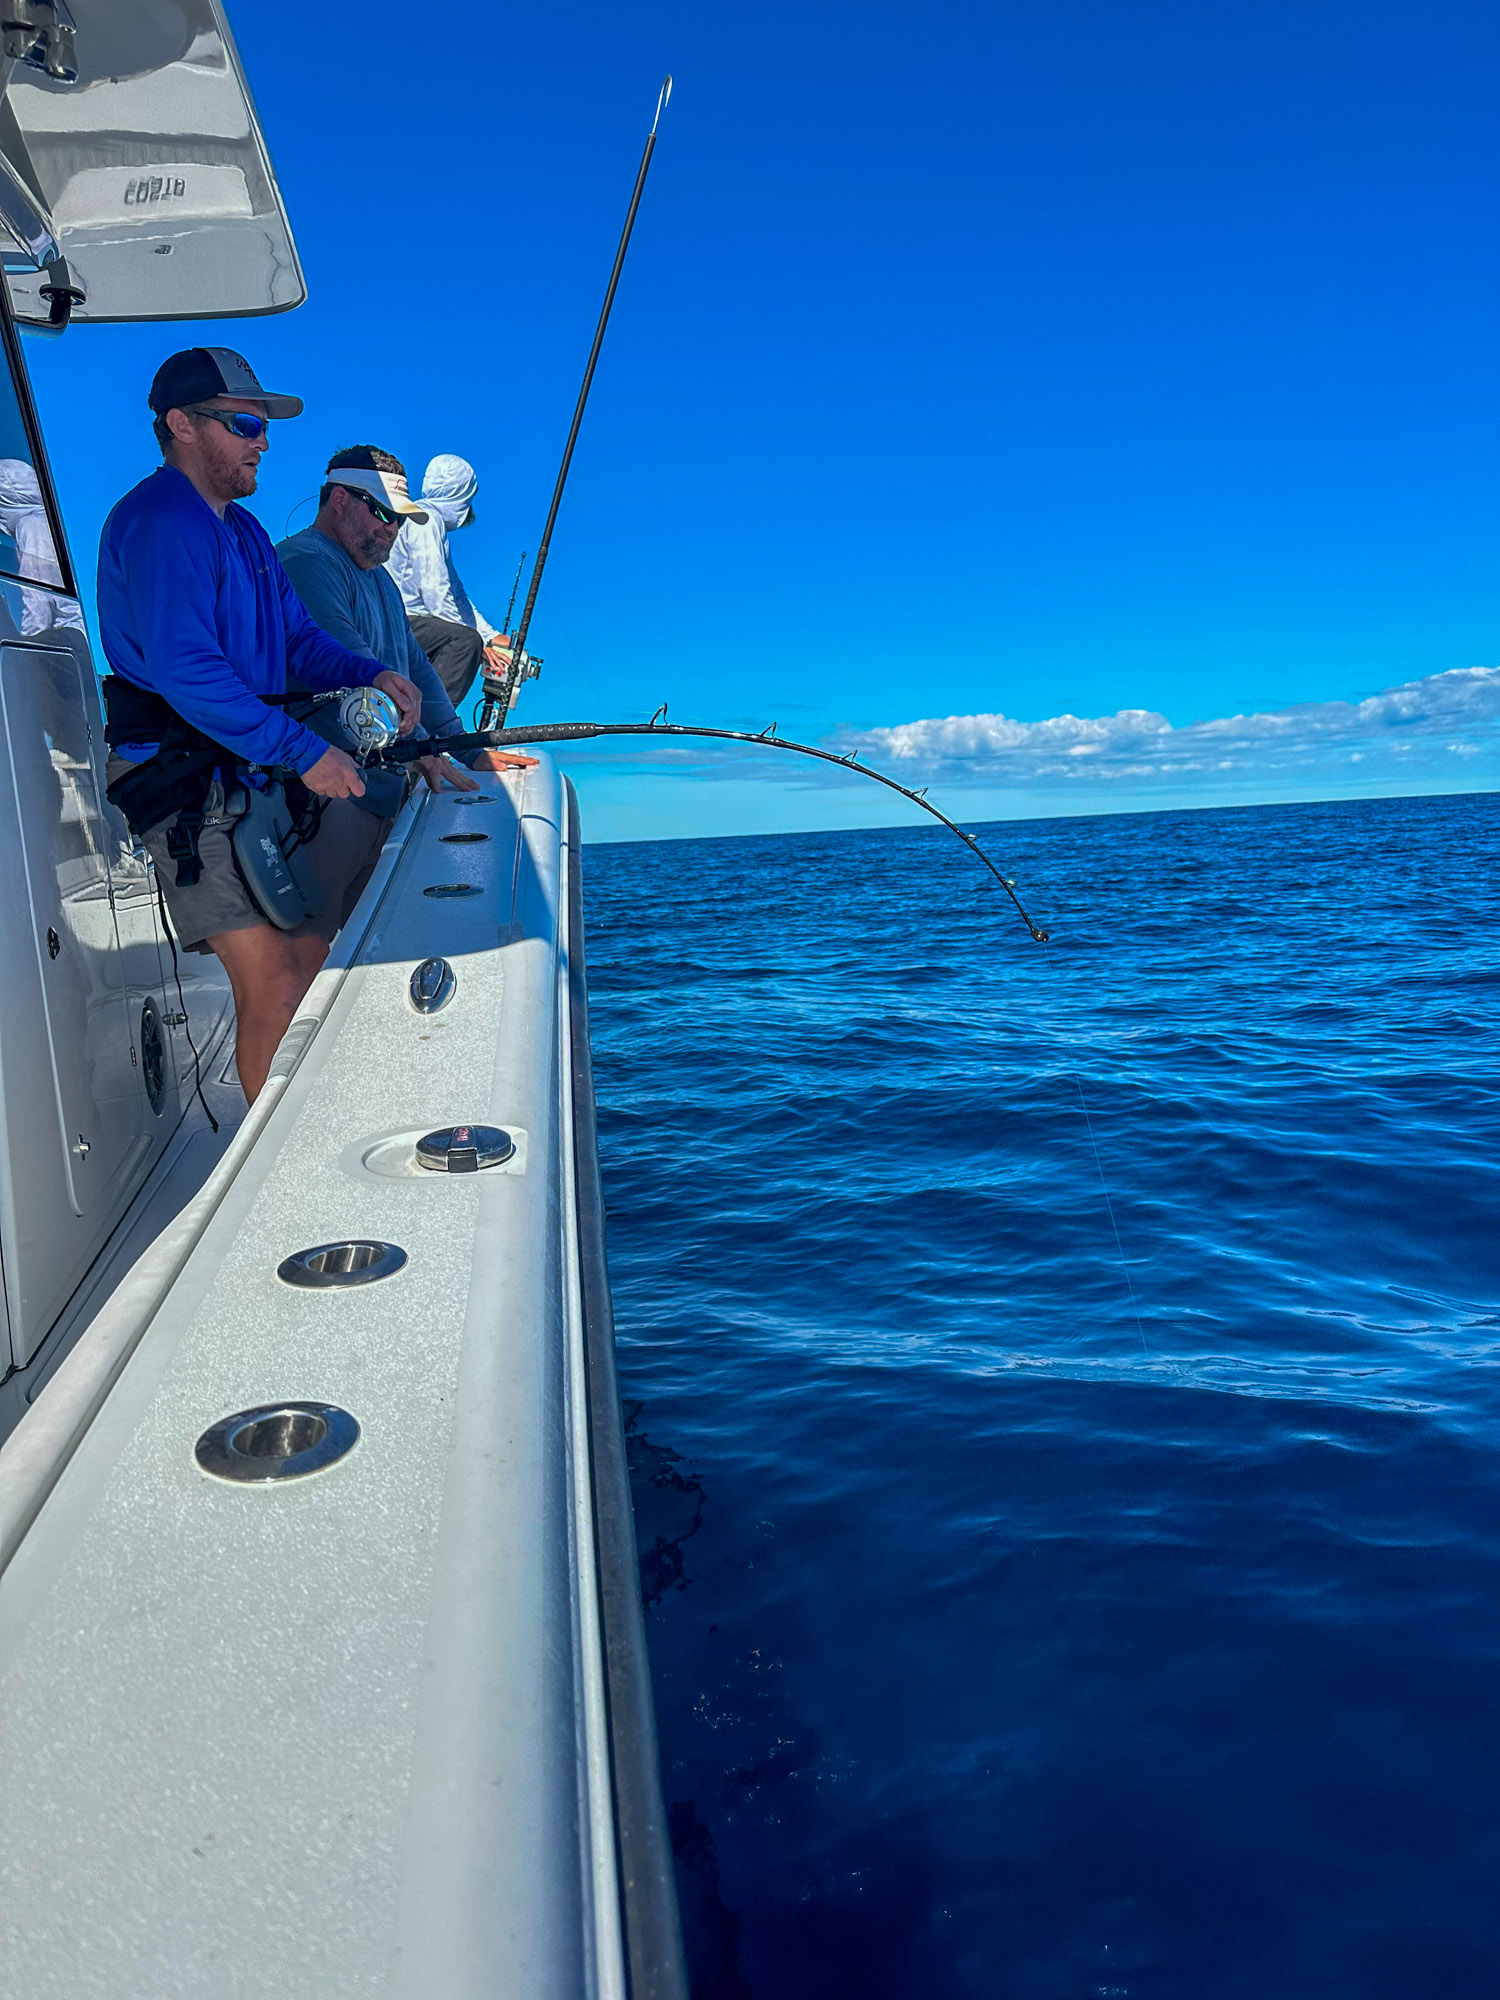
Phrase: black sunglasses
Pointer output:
(241, 422)
(386, 516)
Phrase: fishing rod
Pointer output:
(514, 588)
(405, 749)
(498, 695)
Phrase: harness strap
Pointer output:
(182, 845)
(176, 780)
(173, 781)
(138, 715)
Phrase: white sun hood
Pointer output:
(148, 174)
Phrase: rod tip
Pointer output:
(661, 104)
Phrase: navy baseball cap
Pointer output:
(198, 374)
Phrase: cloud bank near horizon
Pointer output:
(1439, 726)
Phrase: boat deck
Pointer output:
(345, 1733)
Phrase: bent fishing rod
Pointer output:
(498, 695)
(405, 749)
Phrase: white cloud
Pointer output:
(1444, 719)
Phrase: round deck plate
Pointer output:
(464, 1149)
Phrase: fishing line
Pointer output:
(307, 500)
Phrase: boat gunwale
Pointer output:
(647, 1877)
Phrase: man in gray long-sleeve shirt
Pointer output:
(336, 568)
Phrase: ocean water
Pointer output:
(1063, 1387)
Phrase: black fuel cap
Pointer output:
(464, 1149)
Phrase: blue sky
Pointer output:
(978, 362)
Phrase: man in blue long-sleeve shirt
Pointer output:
(194, 606)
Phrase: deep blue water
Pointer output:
(1007, 1642)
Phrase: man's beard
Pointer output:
(372, 551)
(235, 482)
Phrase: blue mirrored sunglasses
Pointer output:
(241, 422)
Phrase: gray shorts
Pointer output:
(340, 860)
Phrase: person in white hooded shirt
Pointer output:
(23, 519)
(449, 627)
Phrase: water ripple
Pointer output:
(1018, 1648)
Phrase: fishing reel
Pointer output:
(499, 690)
(371, 720)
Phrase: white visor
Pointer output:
(389, 488)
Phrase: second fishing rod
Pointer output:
(500, 693)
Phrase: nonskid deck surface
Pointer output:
(343, 1732)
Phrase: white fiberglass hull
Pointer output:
(383, 1729)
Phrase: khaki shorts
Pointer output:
(340, 860)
